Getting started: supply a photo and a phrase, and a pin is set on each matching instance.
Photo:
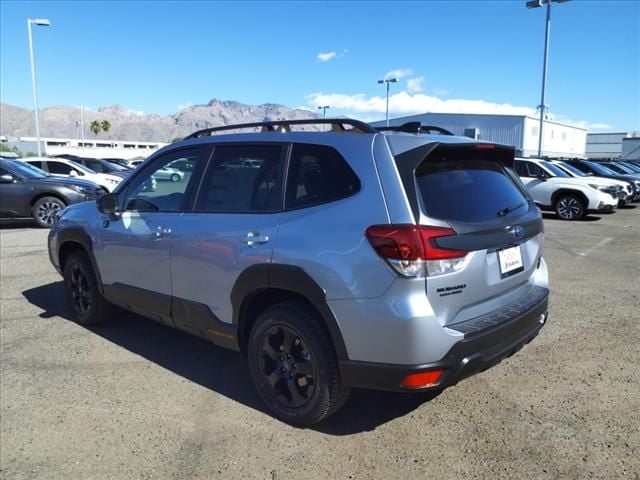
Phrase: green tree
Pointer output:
(95, 127)
(105, 125)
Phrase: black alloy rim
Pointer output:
(286, 366)
(80, 291)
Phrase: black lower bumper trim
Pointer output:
(473, 354)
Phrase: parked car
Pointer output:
(168, 173)
(27, 191)
(61, 167)
(571, 198)
(102, 166)
(620, 167)
(624, 196)
(183, 165)
(595, 168)
(343, 260)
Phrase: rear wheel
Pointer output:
(85, 301)
(570, 207)
(175, 177)
(45, 210)
(294, 366)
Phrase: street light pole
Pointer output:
(388, 81)
(542, 106)
(43, 22)
(324, 111)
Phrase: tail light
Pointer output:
(411, 250)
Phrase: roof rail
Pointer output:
(337, 125)
(416, 127)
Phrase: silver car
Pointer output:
(355, 257)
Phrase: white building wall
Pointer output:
(607, 145)
(559, 140)
(519, 131)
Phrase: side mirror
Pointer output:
(73, 173)
(108, 204)
(7, 178)
(542, 177)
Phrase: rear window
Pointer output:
(468, 191)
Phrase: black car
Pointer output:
(600, 170)
(27, 191)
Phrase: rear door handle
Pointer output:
(254, 239)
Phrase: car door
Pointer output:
(14, 195)
(233, 226)
(538, 182)
(133, 249)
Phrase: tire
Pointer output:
(175, 177)
(45, 209)
(86, 303)
(293, 365)
(569, 206)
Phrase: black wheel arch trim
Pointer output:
(79, 236)
(257, 278)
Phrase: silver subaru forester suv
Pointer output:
(349, 257)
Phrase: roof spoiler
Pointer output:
(416, 127)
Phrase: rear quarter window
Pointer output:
(468, 190)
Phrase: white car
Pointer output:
(61, 167)
(625, 186)
(571, 198)
(167, 173)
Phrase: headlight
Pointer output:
(112, 181)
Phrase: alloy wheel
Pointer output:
(569, 208)
(47, 212)
(287, 367)
(80, 291)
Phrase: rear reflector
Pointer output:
(411, 249)
(422, 379)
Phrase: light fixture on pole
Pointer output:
(324, 111)
(388, 81)
(41, 22)
(542, 106)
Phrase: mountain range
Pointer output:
(64, 121)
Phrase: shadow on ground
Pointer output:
(587, 218)
(10, 224)
(220, 370)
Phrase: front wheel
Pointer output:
(45, 210)
(85, 301)
(294, 366)
(570, 207)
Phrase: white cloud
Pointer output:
(398, 73)
(415, 85)
(404, 103)
(325, 57)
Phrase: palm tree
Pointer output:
(95, 127)
(105, 125)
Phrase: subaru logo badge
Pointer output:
(517, 231)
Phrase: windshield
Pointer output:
(28, 171)
(573, 170)
(115, 166)
(630, 166)
(553, 169)
(600, 169)
(624, 168)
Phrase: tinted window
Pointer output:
(243, 179)
(59, 168)
(553, 169)
(95, 166)
(318, 175)
(152, 191)
(521, 169)
(467, 191)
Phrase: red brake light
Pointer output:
(410, 242)
(485, 146)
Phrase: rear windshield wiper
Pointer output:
(505, 211)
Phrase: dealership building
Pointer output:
(519, 131)
(612, 145)
(83, 148)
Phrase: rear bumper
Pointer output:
(485, 343)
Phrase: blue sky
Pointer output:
(451, 56)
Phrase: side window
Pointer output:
(95, 166)
(243, 179)
(158, 189)
(318, 174)
(521, 169)
(535, 170)
(59, 168)
(35, 163)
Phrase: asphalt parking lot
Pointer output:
(135, 399)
